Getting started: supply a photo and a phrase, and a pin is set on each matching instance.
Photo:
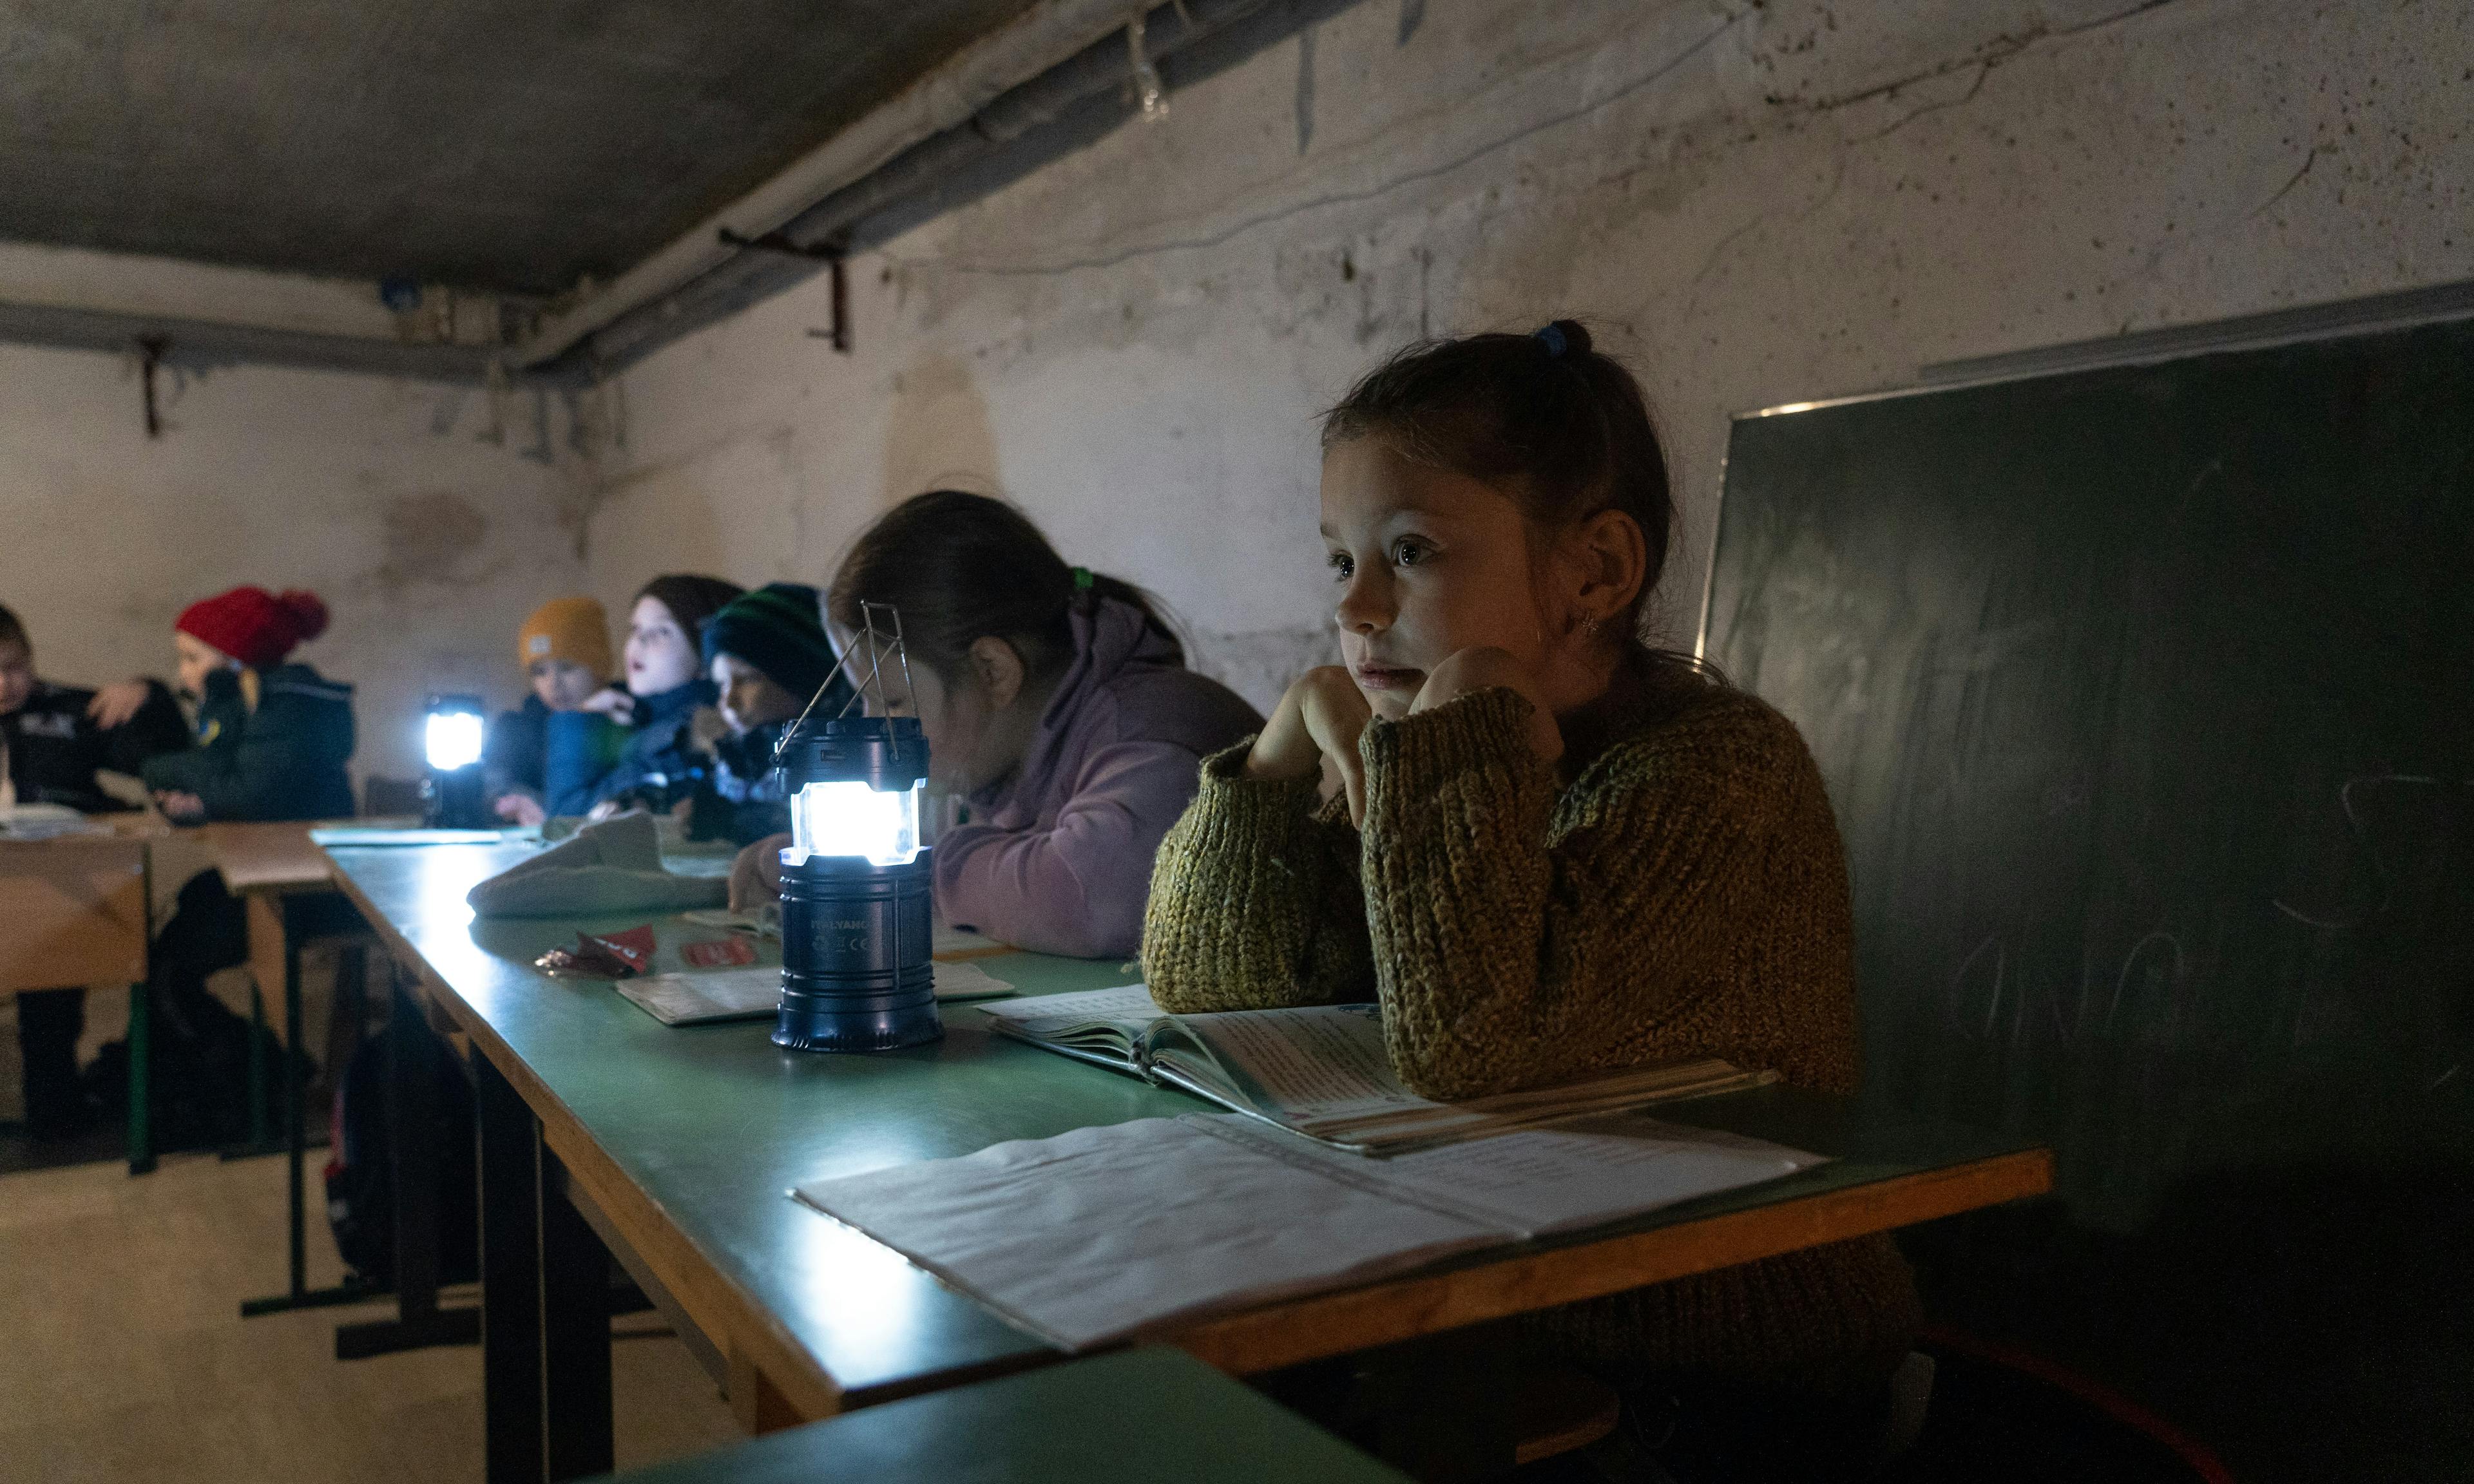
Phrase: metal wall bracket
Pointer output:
(830, 256)
(150, 359)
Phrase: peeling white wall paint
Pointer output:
(428, 544)
(1754, 204)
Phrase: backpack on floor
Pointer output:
(360, 1173)
(197, 1063)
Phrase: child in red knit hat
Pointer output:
(271, 741)
(272, 736)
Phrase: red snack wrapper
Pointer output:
(611, 956)
(720, 953)
(633, 947)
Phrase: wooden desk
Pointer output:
(677, 1146)
(75, 912)
(267, 865)
(268, 859)
(1137, 1415)
(262, 864)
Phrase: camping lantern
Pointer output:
(453, 795)
(857, 927)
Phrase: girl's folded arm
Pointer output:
(1076, 887)
(1254, 900)
(1509, 961)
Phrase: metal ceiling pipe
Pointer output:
(204, 344)
(949, 94)
(1027, 94)
(1070, 105)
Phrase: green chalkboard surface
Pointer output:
(2146, 698)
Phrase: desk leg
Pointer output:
(295, 1136)
(141, 1074)
(258, 1140)
(257, 1068)
(511, 1329)
(546, 1303)
(575, 1334)
(269, 925)
(413, 1050)
(141, 1025)
(295, 1141)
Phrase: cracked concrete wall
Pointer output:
(1754, 203)
(428, 544)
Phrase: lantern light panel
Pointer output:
(453, 739)
(850, 818)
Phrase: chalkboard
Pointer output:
(2146, 700)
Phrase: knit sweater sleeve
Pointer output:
(1255, 900)
(1522, 940)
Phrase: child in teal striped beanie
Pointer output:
(767, 654)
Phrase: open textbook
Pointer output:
(1322, 1071)
(1103, 1233)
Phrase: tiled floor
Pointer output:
(123, 1356)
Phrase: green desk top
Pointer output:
(1145, 1414)
(716, 1124)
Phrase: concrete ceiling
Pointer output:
(506, 147)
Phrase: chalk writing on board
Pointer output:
(2367, 842)
(2156, 961)
(2120, 981)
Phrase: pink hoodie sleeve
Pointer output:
(1078, 888)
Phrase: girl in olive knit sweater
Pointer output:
(1546, 849)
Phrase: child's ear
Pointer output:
(1610, 560)
(998, 668)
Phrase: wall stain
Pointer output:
(937, 433)
(425, 535)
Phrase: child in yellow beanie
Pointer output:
(563, 650)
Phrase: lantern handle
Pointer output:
(877, 647)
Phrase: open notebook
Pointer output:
(1322, 1071)
(1103, 1233)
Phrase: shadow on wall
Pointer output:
(937, 435)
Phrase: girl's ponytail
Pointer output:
(1092, 587)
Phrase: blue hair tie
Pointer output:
(1551, 336)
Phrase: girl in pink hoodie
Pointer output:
(1055, 702)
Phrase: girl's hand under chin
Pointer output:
(1314, 731)
(1482, 667)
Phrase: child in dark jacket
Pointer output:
(766, 654)
(272, 738)
(563, 650)
(668, 702)
(52, 746)
(271, 742)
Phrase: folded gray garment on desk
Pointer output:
(614, 866)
